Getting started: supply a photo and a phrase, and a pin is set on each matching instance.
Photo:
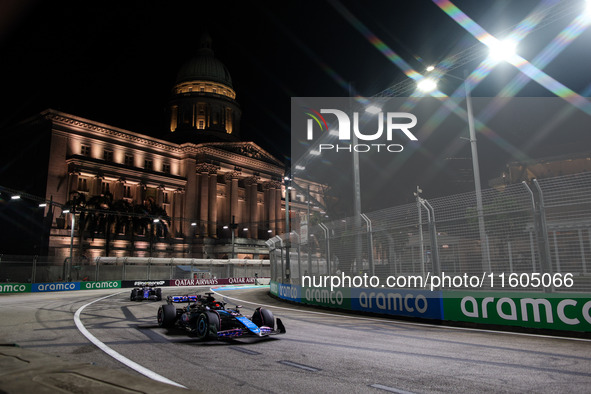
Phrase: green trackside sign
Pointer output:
(339, 297)
(274, 289)
(570, 312)
(106, 284)
(15, 288)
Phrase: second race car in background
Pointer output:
(146, 293)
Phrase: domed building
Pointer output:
(203, 98)
(218, 196)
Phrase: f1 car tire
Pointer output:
(158, 294)
(204, 321)
(263, 317)
(166, 316)
(133, 295)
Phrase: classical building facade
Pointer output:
(204, 188)
(220, 197)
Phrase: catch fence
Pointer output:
(519, 235)
(36, 269)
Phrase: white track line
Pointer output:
(475, 330)
(122, 359)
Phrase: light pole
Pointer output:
(287, 180)
(233, 226)
(499, 51)
(68, 265)
(428, 85)
(308, 232)
(356, 191)
(476, 170)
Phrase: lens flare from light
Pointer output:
(502, 50)
(427, 85)
(373, 109)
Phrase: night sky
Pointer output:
(116, 61)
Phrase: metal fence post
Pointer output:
(546, 259)
(369, 243)
(582, 248)
(434, 245)
(433, 235)
(299, 253)
(34, 270)
(535, 227)
(327, 238)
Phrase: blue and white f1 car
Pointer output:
(146, 293)
(204, 317)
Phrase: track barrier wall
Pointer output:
(11, 288)
(541, 311)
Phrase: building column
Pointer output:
(234, 211)
(213, 203)
(188, 171)
(203, 202)
(97, 187)
(160, 195)
(177, 209)
(73, 176)
(118, 189)
(140, 193)
(271, 206)
(204, 169)
(278, 216)
(251, 186)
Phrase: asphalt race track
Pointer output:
(321, 352)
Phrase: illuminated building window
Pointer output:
(174, 118)
(105, 187)
(201, 124)
(229, 127)
(129, 160)
(85, 150)
(148, 164)
(127, 191)
(108, 155)
(82, 185)
(166, 168)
